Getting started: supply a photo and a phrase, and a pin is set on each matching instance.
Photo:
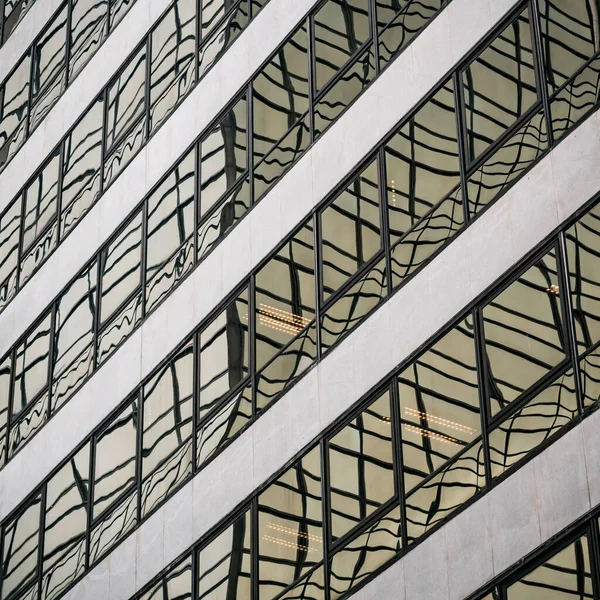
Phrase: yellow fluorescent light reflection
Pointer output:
(438, 437)
(439, 421)
(280, 320)
(287, 544)
(294, 533)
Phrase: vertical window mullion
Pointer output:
(88, 532)
(312, 71)
(484, 404)
(397, 455)
(40, 566)
(318, 245)
(139, 446)
(540, 72)
(461, 136)
(326, 512)
(568, 324)
(68, 40)
(147, 84)
(254, 569)
(384, 216)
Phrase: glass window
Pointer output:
(40, 228)
(10, 228)
(14, 98)
(280, 93)
(20, 549)
(530, 425)
(351, 229)
(224, 356)
(422, 165)
(67, 495)
(81, 167)
(366, 553)
(590, 378)
(499, 86)
(173, 45)
(361, 467)
(285, 295)
(212, 11)
(523, 332)
(14, 10)
(121, 268)
(583, 241)
(445, 491)
(126, 98)
(224, 565)
(216, 44)
(118, 8)
(567, 574)
(121, 272)
(115, 459)
(570, 34)
(73, 344)
(341, 27)
(31, 365)
(88, 30)
(174, 585)
(166, 437)
(48, 74)
(223, 155)
(290, 528)
(439, 404)
(169, 249)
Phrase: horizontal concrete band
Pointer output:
(526, 215)
(289, 202)
(215, 91)
(549, 493)
(27, 30)
(79, 95)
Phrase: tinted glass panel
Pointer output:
(523, 332)
(499, 86)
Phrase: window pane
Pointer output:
(174, 585)
(121, 268)
(73, 345)
(219, 40)
(48, 74)
(170, 225)
(290, 528)
(361, 467)
(570, 32)
(445, 492)
(212, 11)
(126, 98)
(439, 404)
(366, 553)
(21, 545)
(532, 424)
(280, 93)
(583, 243)
(590, 378)
(224, 565)
(65, 525)
(565, 575)
(41, 205)
(81, 167)
(355, 79)
(341, 27)
(351, 230)
(499, 85)
(224, 353)
(523, 332)
(285, 295)
(172, 72)
(166, 438)
(14, 97)
(115, 458)
(422, 165)
(31, 366)
(88, 30)
(223, 156)
(14, 10)
(10, 227)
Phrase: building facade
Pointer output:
(299, 299)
